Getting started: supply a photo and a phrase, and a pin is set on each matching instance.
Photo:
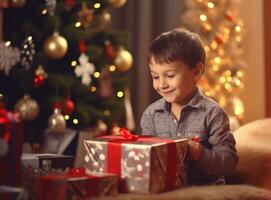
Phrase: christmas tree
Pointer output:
(221, 30)
(60, 66)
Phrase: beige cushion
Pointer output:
(253, 143)
(222, 192)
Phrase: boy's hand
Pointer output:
(194, 150)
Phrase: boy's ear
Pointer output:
(198, 71)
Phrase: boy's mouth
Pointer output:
(167, 92)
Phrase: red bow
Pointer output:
(4, 125)
(127, 134)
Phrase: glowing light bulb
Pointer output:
(210, 5)
(77, 24)
(120, 94)
(44, 11)
(7, 43)
(96, 74)
(112, 68)
(75, 121)
(73, 63)
(97, 5)
(93, 89)
(106, 112)
(237, 28)
(203, 17)
(217, 60)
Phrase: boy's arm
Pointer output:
(222, 158)
(146, 123)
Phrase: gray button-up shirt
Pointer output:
(203, 118)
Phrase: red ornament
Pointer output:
(82, 46)
(68, 107)
(229, 17)
(69, 3)
(57, 105)
(109, 51)
(218, 40)
(38, 80)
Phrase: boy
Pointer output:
(176, 61)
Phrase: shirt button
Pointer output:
(175, 121)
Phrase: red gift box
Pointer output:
(11, 134)
(144, 164)
(74, 184)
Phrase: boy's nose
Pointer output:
(163, 83)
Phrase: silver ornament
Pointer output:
(56, 122)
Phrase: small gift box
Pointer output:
(144, 164)
(47, 161)
(11, 139)
(75, 184)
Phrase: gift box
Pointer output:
(47, 161)
(11, 139)
(75, 184)
(11, 193)
(144, 164)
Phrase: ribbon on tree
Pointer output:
(125, 136)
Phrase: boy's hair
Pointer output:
(177, 45)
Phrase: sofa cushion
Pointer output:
(222, 192)
(253, 143)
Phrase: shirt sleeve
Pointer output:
(222, 158)
(146, 123)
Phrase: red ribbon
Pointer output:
(114, 153)
(4, 125)
(48, 189)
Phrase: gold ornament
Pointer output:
(55, 46)
(116, 3)
(123, 60)
(85, 16)
(18, 3)
(105, 17)
(56, 122)
(27, 108)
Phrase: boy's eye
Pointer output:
(170, 75)
(155, 77)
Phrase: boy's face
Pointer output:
(175, 82)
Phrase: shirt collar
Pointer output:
(195, 102)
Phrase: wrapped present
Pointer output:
(64, 143)
(144, 164)
(11, 193)
(76, 184)
(11, 139)
(47, 161)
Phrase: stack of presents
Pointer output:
(110, 165)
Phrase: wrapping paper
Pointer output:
(143, 164)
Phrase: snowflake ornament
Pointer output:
(85, 69)
(9, 57)
(27, 52)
